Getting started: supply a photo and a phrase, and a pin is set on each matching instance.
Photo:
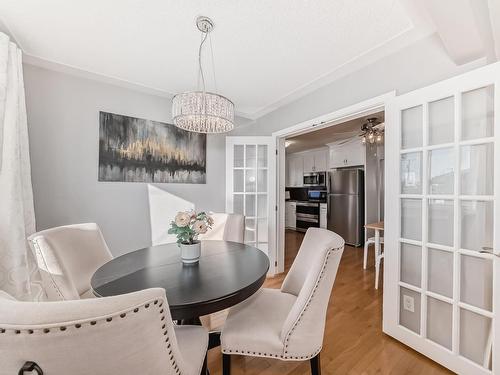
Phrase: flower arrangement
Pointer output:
(187, 225)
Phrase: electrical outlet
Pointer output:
(408, 303)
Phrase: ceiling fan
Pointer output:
(372, 131)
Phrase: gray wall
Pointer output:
(416, 66)
(63, 124)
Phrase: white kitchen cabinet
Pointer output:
(321, 161)
(290, 214)
(295, 171)
(315, 161)
(308, 162)
(347, 154)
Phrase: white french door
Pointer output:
(442, 217)
(250, 167)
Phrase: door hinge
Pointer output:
(275, 208)
(275, 263)
(276, 151)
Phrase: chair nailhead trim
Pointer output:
(122, 315)
(271, 355)
(287, 337)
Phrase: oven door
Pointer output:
(307, 215)
(305, 221)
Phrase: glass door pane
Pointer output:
(477, 113)
(476, 169)
(441, 121)
(411, 127)
(439, 322)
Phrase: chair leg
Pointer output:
(365, 255)
(377, 271)
(204, 369)
(315, 365)
(226, 364)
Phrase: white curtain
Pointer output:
(18, 272)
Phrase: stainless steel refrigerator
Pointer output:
(346, 204)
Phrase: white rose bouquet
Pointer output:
(187, 225)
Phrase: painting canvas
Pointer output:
(137, 150)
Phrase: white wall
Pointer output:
(63, 114)
(416, 66)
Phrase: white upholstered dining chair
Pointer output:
(67, 257)
(127, 334)
(227, 227)
(288, 324)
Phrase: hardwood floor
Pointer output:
(354, 342)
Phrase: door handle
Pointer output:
(488, 250)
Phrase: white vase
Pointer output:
(190, 253)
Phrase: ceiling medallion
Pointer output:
(202, 111)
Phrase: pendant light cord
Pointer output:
(213, 63)
(199, 60)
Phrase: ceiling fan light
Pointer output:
(379, 138)
(363, 140)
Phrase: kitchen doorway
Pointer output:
(313, 154)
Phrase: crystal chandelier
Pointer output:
(201, 111)
(372, 131)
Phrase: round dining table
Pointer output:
(226, 274)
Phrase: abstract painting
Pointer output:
(137, 150)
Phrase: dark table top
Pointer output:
(227, 273)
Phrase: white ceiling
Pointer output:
(331, 134)
(267, 53)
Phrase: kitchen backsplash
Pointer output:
(298, 194)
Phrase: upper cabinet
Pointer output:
(315, 161)
(348, 153)
(294, 170)
(305, 162)
(308, 162)
(321, 161)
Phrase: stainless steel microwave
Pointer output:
(314, 179)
